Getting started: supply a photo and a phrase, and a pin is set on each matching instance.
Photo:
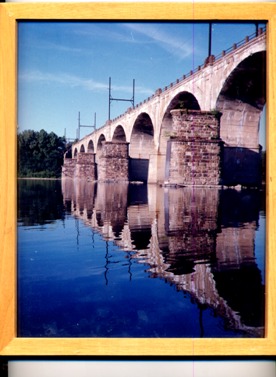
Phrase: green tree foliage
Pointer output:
(40, 154)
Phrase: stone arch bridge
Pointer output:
(202, 129)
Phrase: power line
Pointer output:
(110, 98)
(85, 126)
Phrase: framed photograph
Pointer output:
(188, 271)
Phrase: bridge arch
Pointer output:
(119, 134)
(185, 100)
(241, 101)
(141, 139)
(100, 142)
(246, 83)
(82, 149)
(90, 147)
(141, 147)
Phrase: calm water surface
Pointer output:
(119, 260)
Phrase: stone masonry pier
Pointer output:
(194, 149)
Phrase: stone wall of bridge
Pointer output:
(193, 154)
(85, 167)
(69, 167)
(82, 167)
(113, 162)
(194, 149)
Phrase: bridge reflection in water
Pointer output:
(201, 240)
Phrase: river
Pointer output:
(126, 260)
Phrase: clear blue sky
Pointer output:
(64, 68)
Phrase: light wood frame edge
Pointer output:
(9, 343)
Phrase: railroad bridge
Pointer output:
(202, 129)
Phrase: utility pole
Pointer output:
(68, 139)
(85, 126)
(257, 28)
(110, 98)
(210, 40)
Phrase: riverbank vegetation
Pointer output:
(40, 154)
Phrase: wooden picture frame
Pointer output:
(10, 344)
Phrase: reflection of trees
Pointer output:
(36, 203)
(201, 240)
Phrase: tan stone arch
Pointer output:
(141, 147)
(241, 101)
(119, 134)
(90, 146)
(182, 99)
(100, 141)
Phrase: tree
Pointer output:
(40, 154)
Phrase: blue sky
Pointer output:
(64, 67)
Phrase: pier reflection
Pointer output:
(201, 240)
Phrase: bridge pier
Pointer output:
(194, 149)
(69, 167)
(85, 166)
(82, 167)
(153, 168)
(113, 162)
